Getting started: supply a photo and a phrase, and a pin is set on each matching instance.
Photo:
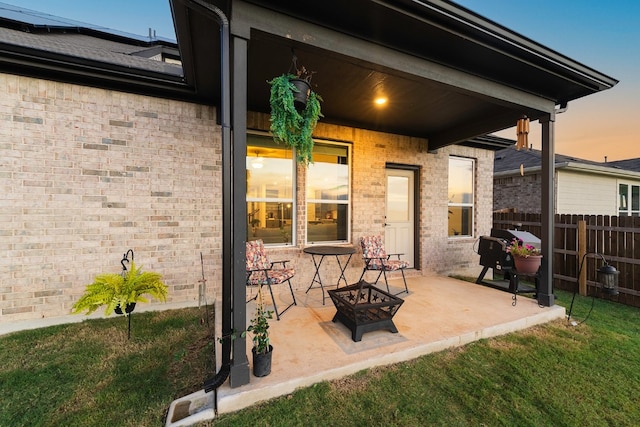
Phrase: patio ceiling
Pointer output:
(448, 73)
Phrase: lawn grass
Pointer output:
(89, 374)
(549, 375)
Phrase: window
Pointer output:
(328, 194)
(270, 191)
(628, 200)
(461, 197)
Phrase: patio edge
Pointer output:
(237, 401)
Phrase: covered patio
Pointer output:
(452, 76)
(439, 313)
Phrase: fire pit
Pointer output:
(362, 307)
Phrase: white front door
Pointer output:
(399, 219)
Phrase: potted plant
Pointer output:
(527, 258)
(295, 110)
(259, 328)
(121, 292)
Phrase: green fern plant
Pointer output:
(289, 126)
(116, 290)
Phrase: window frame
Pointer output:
(629, 211)
(293, 185)
(471, 204)
(347, 202)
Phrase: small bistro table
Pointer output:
(318, 253)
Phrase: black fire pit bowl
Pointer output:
(362, 307)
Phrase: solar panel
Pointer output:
(45, 20)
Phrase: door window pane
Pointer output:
(397, 198)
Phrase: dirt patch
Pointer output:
(359, 381)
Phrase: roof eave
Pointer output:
(575, 167)
(488, 142)
(526, 49)
(49, 65)
(462, 23)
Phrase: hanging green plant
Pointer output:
(293, 121)
(121, 290)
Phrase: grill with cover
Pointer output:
(493, 254)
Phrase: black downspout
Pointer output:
(546, 297)
(227, 246)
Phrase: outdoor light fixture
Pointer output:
(380, 100)
(608, 279)
(522, 131)
(607, 276)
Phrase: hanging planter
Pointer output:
(295, 110)
(301, 93)
(121, 290)
(127, 310)
(115, 291)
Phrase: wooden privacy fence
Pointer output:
(617, 238)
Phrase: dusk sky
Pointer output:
(604, 35)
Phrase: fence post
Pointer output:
(582, 250)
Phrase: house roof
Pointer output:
(85, 48)
(26, 18)
(488, 142)
(628, 164)
(42, 45)
(508, 161)
(450, 74)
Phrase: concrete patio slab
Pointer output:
(438, 313)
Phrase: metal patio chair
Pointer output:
(261, 271)
(377, 259)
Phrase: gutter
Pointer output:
(573, 70)
(575, 167)
(221, 376)
(57, 67)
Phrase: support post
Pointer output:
(545, 292)
(235, 254)
(582, 251)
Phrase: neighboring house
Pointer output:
(104, 149)
(628, 164)
(582, 187)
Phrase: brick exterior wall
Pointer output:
(89, 173)
(518, 193)
(371, 151)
